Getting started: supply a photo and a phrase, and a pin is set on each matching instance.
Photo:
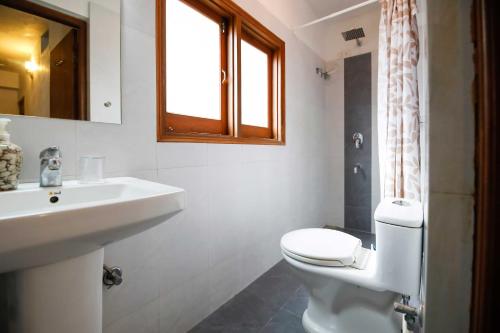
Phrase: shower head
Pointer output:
(355, 33)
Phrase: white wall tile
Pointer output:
(253, 153)
(144, 320)
(130, 146)
(224, 281)
(224, 154)
(151, 175)
(451, 101)
(184, 306)
(35, 134)
(139, 258)
(225, 206)
(450, 257)
(139, 15)
(124, 152)
(178, 155)
(185, 252)
(456, 143)
(449, 157)
(138, 48)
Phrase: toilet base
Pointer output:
(337, 306)
(311, 327)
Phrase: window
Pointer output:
(220, 75)
(256, 98)
(195, 62)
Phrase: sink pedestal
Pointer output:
(62, 297)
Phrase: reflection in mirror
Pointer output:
(60, 59)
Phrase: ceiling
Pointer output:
(324, 38)
(325, 7)
(19, 33)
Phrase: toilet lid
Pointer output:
(321, 246)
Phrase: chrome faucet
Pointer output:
(357, 138)
(50, 167)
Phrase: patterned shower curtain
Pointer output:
(398, 107)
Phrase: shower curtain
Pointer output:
(398, 107)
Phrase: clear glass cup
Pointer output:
(91, 169)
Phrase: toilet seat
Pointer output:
(324, 247)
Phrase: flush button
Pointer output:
(401, 203)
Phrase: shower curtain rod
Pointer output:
(335, 14)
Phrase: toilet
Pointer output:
(352, 289)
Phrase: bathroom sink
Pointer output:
(40, 226)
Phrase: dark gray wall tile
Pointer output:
(357, 118)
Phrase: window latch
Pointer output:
(223, 26)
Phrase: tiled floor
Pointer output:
(274, 303)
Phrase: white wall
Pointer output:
(9, 90)
(9, 101)
(293, 13)
(449, 228)
(334, 45)
(241, 198)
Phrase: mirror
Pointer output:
(61, 59)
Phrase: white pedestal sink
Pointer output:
(53, 239)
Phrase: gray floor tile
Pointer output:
(298, 303)
(244, 313)
(284, 322)
(261, 303)
(274, 291)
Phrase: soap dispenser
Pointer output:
(11, 159)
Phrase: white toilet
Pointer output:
(352, 289)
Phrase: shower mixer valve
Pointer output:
(357, 138)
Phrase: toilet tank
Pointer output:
(398, 230)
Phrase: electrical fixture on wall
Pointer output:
(325, 74)
(322, 73)
(31, 67)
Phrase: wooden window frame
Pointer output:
(80, 26)
(238, 25)
(178, 123)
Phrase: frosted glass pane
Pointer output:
(254, 86)
(193, 62)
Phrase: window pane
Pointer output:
(254, 86)
(193, 62)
